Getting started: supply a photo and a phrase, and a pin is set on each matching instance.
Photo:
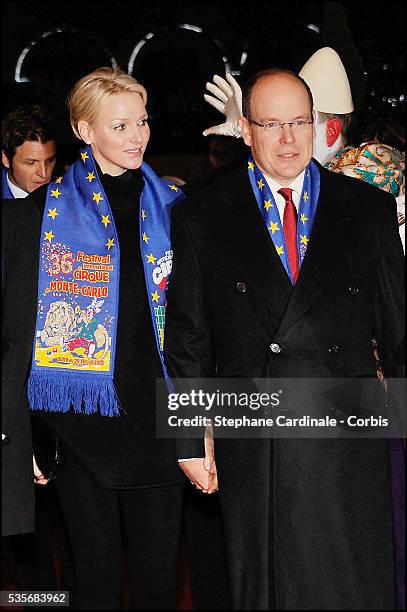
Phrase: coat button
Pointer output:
(241, 287)
(353, 290)
(275, 348)
(334, 349)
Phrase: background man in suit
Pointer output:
(307, 522)
(28, 151)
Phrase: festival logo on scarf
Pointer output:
(160, 275)
(74, 325)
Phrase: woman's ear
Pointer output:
(85, 131)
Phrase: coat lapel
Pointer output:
(327, 248)
(241, 229)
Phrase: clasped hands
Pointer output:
(39, 477)
(202, 472)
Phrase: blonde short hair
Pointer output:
(91, 91)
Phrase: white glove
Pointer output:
(228, 101)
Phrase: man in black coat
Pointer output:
(17, 453)
(307, 521)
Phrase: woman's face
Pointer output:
(119, 134)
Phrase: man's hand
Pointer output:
(228, 101)
(39, 478)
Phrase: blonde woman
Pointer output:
(97, 285)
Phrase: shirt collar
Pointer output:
(295, 185)
(16, 191)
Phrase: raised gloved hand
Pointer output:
(228, 101)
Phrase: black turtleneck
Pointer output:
(135, 345)
(123, 452)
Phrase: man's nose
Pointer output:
(42, 170)
(286, 133)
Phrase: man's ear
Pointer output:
(245, 131)
(85, 131)
(333, 130)
(5, 160)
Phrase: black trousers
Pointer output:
(95, 519)
(206, 551)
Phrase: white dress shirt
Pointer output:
(16, 191)
(296, 186)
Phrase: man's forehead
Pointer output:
(34, 149)
(279, 92)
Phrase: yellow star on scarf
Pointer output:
(303, 218)
(59, 179)
(280, 250)
(155, 296)
(97, 197)
(84, 156)
(52, 212)
(49, 236)
(304, 240)
(305, 196)
(145, 238)
(151, 258)
(105, 220)
(173, 187)
(91, 176)
(273, 227)
(250, 165)
(143, 214)
(56, 193)
(267, 204)
(260, 184)
(109, 243)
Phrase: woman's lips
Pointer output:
(134, 151)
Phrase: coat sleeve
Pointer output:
(389, 327)
(188, 349)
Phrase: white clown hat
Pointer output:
(326, 77)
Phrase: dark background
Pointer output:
(175, 63)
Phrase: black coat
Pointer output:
(17, 470)
(307, 522)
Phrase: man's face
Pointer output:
(32, 164)
(283, 154)
(119, 134)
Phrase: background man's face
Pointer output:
(32, 164)
(282, 155)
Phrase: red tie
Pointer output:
(290, 230)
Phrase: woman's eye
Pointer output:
(119, 127)
(142, 122)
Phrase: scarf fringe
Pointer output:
(83, 394)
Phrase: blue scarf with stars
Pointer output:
(268, 208)
(78, 289)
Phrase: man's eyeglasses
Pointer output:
(299, 125)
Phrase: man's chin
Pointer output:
(35, 186)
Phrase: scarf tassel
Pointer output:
(84, 394)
